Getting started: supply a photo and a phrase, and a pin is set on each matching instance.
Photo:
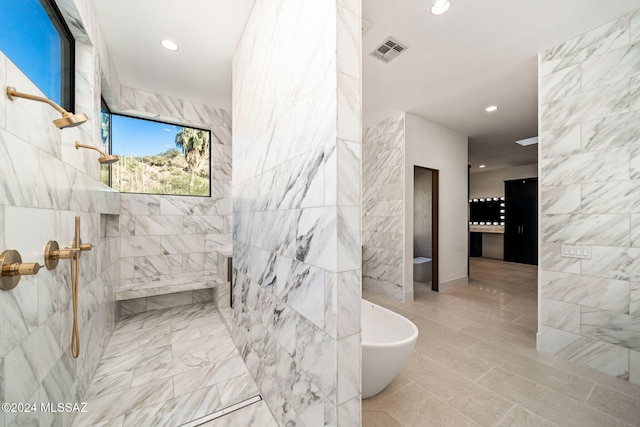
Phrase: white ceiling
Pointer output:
(206, 31)
(479, 53)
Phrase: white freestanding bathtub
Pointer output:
(387, 342)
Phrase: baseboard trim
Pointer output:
(408, 296)
(453, 284)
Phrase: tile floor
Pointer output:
(475, 363)
(169, 367)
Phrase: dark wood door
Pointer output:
(521, 221)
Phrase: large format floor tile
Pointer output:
(476, 363)
(166, 368)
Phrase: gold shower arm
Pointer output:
(104, 159)
(91, 147)
(67, 120)
(12, 92)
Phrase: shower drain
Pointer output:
(224, 411)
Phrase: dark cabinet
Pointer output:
(521, 221)
(475, 244)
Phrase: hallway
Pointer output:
(475, 363)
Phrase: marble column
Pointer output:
(296, 208)
(589, 120)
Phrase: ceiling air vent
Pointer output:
(388, 50)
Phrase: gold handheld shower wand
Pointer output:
(52, 254)
(66, 121)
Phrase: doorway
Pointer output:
(425, 226)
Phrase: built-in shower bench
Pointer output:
(165, 287)
(176, 291)
(159, 294)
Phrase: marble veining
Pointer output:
(561, 84)
(560, 315)
(560, 141)
(167, 237)
(589, 169)
(600, 229)
(611, 197)
(611, 67)
(586, 167)
(296, 208)
(40, 311)
(596, 103)
(382, 220)
(603, 39)
(186, 366)
(561, 199)
(614, 328)
(606, 294)
(613, 262)
(611, 132)
(47, 182)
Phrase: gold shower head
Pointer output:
(66, 121)
(105, 159)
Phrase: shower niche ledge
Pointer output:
(165, 287)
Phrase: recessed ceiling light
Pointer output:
(169, 45)
(491, 108)
(440, 7)
(482, 166)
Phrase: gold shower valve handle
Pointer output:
(25, 268)
(12, 269)
(86, 246)
(53, 253)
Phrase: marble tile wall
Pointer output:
(45, 183)
(159, 302)
(165, 237)
(383, 148)
(172, 235)
(296, 208)
(589, 110)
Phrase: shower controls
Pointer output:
(53, 254)
(13, 269)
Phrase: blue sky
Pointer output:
(26, 35)
(30, 41)
(138, 137)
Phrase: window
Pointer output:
(35, 37)
(105, 137)
(159, 158)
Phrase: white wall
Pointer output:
(491, 184)
(436, 147)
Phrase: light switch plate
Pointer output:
(575, 251)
